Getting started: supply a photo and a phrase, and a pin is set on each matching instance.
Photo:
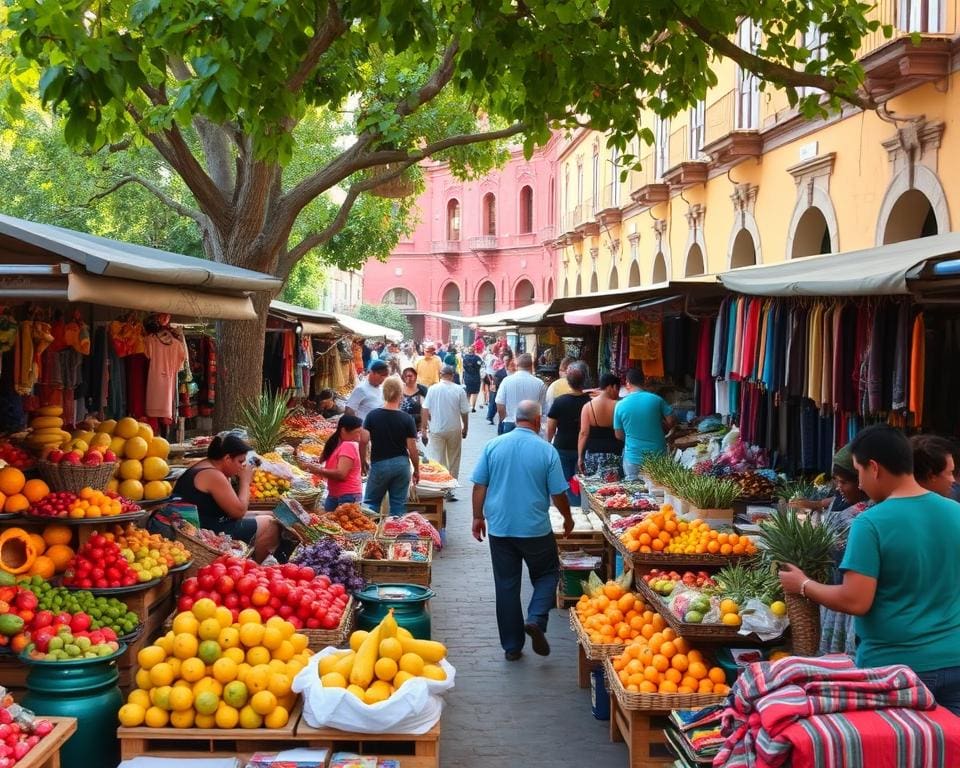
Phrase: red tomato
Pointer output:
(225, 585)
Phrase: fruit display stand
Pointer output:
(322, 638)
(639, 719)
(410, 750)
(153, 605)
(205, 742)
(47, 752)
(388, 571)
(590, 655)
(432, 509)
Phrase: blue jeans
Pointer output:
(491, 405)
(944, 684)
(506, 426)
(332, 502)
(568, 462)
(388, 476)
(631, 471)
(508, 554)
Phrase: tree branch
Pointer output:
(183, 210)
(384, 156)
(435, 83)
(323, 38)
(768, 70)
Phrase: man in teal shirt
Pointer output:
(641, 420)
(516, 477)
(900, 569)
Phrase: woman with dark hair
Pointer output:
(341, 464)
(222, 509)
(472, 368)
(933, 463)
(599, 450)
(413, 393)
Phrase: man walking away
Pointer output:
(517, 387)
(563, 423)
(444, 420)
(515, 478)
(641, 420)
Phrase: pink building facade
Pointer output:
(479, 246)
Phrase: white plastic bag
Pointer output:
(415, 708)
(757, 618)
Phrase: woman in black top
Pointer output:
(472, 366)
(412, 399)
(563, 424)
(393, 446)
(600, 450)
(222, 509)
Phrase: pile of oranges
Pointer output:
(664, 532)
(665, 663)
(614, 615)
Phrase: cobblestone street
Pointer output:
(525, 713)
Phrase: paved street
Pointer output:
(528, 712)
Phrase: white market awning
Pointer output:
(529, 315)
(366, 329)
(318, 322)
(884, 270)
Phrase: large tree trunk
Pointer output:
(240, 362)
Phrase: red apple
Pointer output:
(109, 455)
(72, 457)
(55, 455)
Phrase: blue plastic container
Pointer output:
(618, 565)
(599, 698)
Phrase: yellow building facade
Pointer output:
(743, 179)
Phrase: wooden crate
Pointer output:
(411, 750)
(13, 673)
(153, 627)
(584, 667)
(432, 509)
(643, 733)
(205, 742)
(47, 752)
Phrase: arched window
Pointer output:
(744, 252)
(579, 287)
(453, 220)
(400, 297)
(911, 217)
(748, 84)
(489, 214)
(550, 289)
(694, 261)
(552, 202)
(523, 294)
(812, 236)
(594, 283)
(486, 299)
(566, 287)
(634, 280)
(659, 268)
(450, 300)
(526, 209)
(614, 279)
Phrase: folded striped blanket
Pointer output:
(825, 712)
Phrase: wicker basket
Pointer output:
(202, 553)
(593, 651)
(655, 702)
(75, 477)
(397, 571)
(321, 638)
(804, 617)
(398, 187)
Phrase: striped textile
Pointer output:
(825, 712)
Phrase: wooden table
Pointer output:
(47, 752)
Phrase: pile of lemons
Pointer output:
(211, 672)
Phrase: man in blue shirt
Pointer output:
(641, 420)
(514, 481)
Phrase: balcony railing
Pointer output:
(884, 11)
(446, 246)
(547, 233)
(646, 174)
(482, 243)
(720, 117)
(570, 220)
(577, 215)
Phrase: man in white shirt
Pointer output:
(516, 388)
(445, 418)
(367, 396)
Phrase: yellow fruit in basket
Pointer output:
(193, 670)
(357, 638)
(207, 685)
(390, 648)
(225, 670)
(132, 715)
(183, 718)
(433, 672)
(228, 637)
(161, 674)
(235, 694)
(131, 489)
(356, 690)
(728, 606)
(333, 680)
(249, 616)
(731, 619)
(412, 664)
(155, 718)
(404, 634)
(144, 431)
(106, 427)
(299, 642)
(293, 667)
(249, 718)
(284, 652)
(155, 468)
(166, 642)
(160, 697)
(401, 678)
(251, 635)
(142, 679)
(377, 692)
(181, 699)
(205, 721)
(227, 717)
(778, 608)
(136, 448)
(185, 645)
(328, 662)
(117, 444)
(155, 489)
(208, 651)
(206, 703)
(126, 428)
(224, 616)
(277, 667)
(185, 622)
(385, 669)
(263, 703)
(100, 440)
(272, 637)
(258, 656)
(158, 447)
(277, 718)
(150, 656)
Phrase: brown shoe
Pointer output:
(538, 640)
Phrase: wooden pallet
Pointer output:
(411, 750)
(205, 742)
(47, 752)
(643, 733)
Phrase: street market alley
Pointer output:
(528, 712)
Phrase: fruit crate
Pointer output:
(205, 742)
(590, 655)
(432, 510)
(644, 734)
(410, 750)
(397, 571)
(47, 752)
(322, 638)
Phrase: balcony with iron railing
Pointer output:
(724, 141)
(445, 247)
(482, 243)
(586, 224)
(684, 170)
(645, 187)
(919, 51)
(611, 200)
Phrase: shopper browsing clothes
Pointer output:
(514, 480)
(899, 570)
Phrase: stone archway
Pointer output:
(450, 298)
(911, 216)
(659, 274)
(634, 279)
(743, 252)
(523, 293)
(614, 282)
(811, 235)
(696, 263)
(925, 182)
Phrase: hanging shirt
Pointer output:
(166, 353)
(917, 365)
(826, 366)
